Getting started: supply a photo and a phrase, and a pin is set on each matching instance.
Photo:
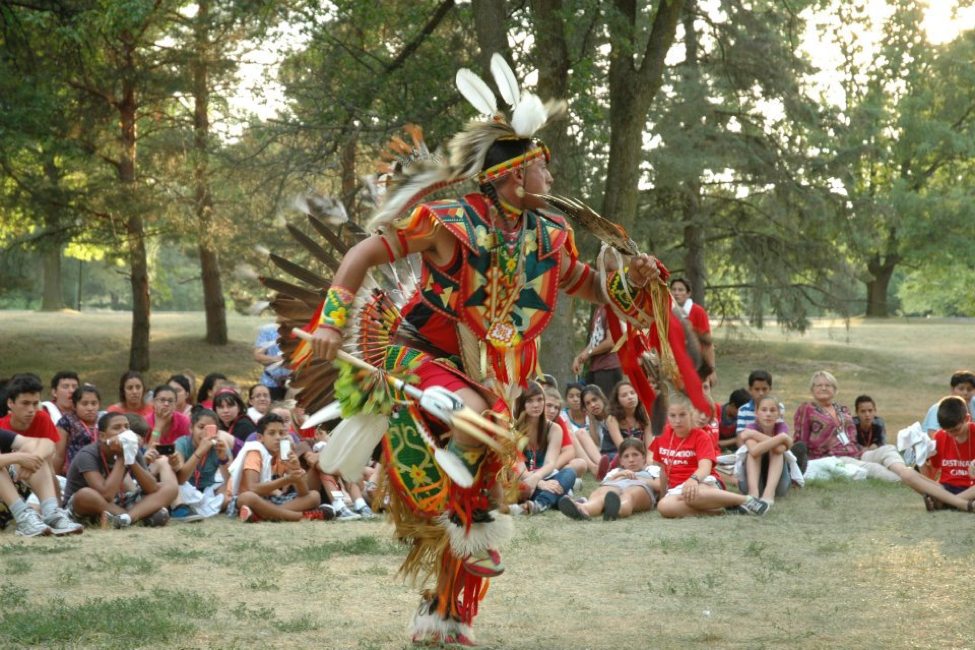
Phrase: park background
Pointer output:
(806, 164)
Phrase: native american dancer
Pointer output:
(444, 359)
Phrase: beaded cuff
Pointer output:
(335, 309)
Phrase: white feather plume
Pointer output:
(504, 77)
(331, 412)
(350, 446)
(529, 116)
(476, 92)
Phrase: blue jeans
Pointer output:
(566, 478)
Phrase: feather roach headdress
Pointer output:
(417, 172)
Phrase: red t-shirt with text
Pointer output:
(40, 427)
(953, 458)
(680, 456)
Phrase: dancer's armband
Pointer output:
(335, 309)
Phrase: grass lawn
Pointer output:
(836, 565)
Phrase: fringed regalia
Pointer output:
(472, 322)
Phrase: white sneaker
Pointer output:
(116, 521)
(577, 486)
(347, 515)
(366, 512)
(61, 523)
(32, 526)
(514, 509)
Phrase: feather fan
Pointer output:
(476, 92)
(505, 80)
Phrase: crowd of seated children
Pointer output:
(184, 393)
(132, 395)
(626, 490)
(586, 454)
(166, 423)
(728, 419)
(77, 428)
(211, 384)
(764, 472)
(202, 468)
(962, 384)
(63, 386)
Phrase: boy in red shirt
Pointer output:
(25, 417)
(949, 475)
(686, 459)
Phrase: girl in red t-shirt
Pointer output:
(686, 459)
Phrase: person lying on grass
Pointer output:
(686, 458)
(626, 490)
(95, 487)
(764, 473)
(949, 475)
(30, 456)
(199, 459)
(267, 487)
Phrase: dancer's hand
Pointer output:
(326, 343)
(643, 270)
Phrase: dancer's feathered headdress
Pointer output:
(422, 172)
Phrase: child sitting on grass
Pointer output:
(686, 458)
(30, 457)
(624, 491)
(200, 458)
(95, 482)
(264, 486)
(764, 472)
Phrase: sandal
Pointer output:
(611, 507)
(931, 504)
(571, 509)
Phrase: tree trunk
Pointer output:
(881, 270)
(631, 91)
(694, 223)
(213, 300)
(138, 264)
(492, 33)
(349, 178)
(551, 53)
(53, 297)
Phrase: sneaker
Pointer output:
(61, 523)
(157, 519)
(735, 510)
(611, 506)
(486, 564)
(245, 514)
(801, 452)
(347, 515)
(323, 512)
(534, 508)
(603, 468)
(577, 486)
(116, 521)
(571, 509)
(366, 512)
(32, 526)
(755, 506)
(185, 514)
(514, 510)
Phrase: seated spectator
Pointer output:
(597, 411)
(95, 487)
(211, 384)
(181, 385)
(78, 427)
(827, 429)
(759, 385)
(232, 414)
(574, 413)
(267, 352)
(626, 490)
(63, 386)
(963, 386)
(331, 486)
(686, 457)
(264, 486)
(871, 432)
(132, 395)
(765, 474)
(31, 459)
(627, 418)
(541, 482)
(166, 423)
(728, 422)
(200, 457)
(708, 422)
(948, 478)
(24, 415)
(259, 402)
(680, 289)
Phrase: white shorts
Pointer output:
(679, 490)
